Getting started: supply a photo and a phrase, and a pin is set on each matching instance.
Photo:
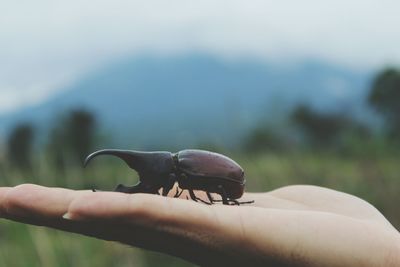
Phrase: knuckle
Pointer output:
(25, 188)
(18, 197)
(151, 209)
(82, 203)
(141, 203)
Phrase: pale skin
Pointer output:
(290, 226)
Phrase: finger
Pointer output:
(182, 228)
(38, 205)
(136, 208)
(3, 192)
(28, 200)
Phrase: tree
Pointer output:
(19, 146)
(321, 129)
(73, 138)
(385, 98)
(263, 139)
(80, 129)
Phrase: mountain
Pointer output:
(151, 101)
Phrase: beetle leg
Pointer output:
(129, 189)
(223, 195)
(225, 199)
(234, 202)
(218, 200)
(229, 201)
(205, 202)
(178, 194)
(165, 191)
(192, 195)
(195, 198)
(246, 202)
(210, 197)
(169, 184)
(96, 190)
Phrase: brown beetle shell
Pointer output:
(210, 170)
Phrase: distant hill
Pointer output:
(181, 101)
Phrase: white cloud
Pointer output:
(43, 42)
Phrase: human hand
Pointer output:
(290, 226)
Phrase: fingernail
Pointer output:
(67, 216)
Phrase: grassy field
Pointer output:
(374, 179)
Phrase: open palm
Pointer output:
(290, 226)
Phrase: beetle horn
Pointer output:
(142, 162)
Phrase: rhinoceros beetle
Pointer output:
(191, 169)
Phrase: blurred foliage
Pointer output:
(320, 129)
(20, 145)
(263, 139)
(385, 98)
(72, 138)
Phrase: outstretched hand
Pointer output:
(290, 226)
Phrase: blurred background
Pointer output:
(297, 92)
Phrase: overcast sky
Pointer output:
(46, 44)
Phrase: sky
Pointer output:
(46, 45)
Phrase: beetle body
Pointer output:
(209, 171)
(191, 169)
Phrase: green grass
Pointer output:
(374, 179)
